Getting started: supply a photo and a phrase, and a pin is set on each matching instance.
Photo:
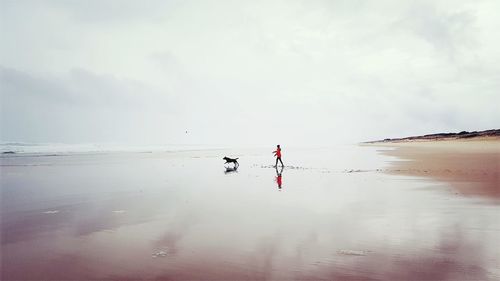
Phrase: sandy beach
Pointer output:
(471, 167)
(184, 216)
(138, 140)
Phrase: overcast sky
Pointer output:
(246, 72)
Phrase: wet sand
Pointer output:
(184, 216)
(471, 167)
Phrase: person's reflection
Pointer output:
(278, 177)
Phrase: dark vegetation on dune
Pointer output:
(446, 136)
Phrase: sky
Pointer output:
(246, 72)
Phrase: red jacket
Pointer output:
(278, 152)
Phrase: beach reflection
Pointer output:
(279, 177)
(229, 170)
(147, 217)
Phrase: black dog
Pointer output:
(231, 160)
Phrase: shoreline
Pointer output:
(471, 167)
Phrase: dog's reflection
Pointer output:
(279, 179)
(230, 170)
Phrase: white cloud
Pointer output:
(293, 71)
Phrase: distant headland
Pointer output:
(464, 135)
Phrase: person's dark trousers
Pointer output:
(279, 158)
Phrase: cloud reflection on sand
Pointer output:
(192, 221)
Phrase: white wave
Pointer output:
(56, 149)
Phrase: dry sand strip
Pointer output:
(472, 167)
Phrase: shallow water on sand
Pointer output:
(184, 215)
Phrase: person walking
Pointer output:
(277, 154)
